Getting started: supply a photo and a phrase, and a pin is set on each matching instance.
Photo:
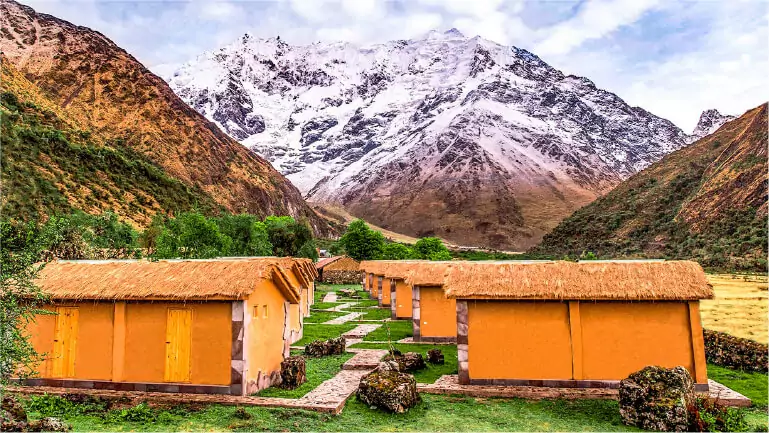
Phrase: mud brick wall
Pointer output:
(342, 277)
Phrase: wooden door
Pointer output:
(178, 342)
(65, 342)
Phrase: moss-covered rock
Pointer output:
(435, 356)
(657, 398)
(293, 372)
(389, 390)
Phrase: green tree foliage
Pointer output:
(83, 236)
(396, 251)
(249, 235)
(362, 243)
(290, 237)
(192, 236)
(431, 249)
(20, 299)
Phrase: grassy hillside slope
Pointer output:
(707, 202)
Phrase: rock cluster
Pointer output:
(435, 356)
(389, 390)
(13, 417)
(318, 348)
(293, 372)
(657, 398)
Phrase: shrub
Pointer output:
(706, 415)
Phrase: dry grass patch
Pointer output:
(739, 307)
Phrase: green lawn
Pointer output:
(324, 305)
(434, 413)
(365, 303)
(322, 316)
(318, 371)
(399, 329)
(432, 372)
(323, 332)
(375, 314)
(752, 385)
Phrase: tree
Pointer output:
(431, 249)
(288, 236)
(20, 300)
(191, 236)
(362, 243)
(249, 235)
(396, 251)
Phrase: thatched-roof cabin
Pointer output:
(433, 316)
(401, 303)
(339, 270)
(566, 324)
(206, 326)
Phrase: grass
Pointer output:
(752, 385)
(740, 307)
(376, 314)
(323, 332)
(366, 303)
(399, 329)
(432, 372)
(325, 305)
(322, 316)
(434, 413)
(318, 371)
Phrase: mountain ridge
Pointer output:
(462, 138)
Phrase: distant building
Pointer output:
(338, 270)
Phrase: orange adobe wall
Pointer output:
(438, 314)
(264, 337)
(145, 341)
(385, 292)
(93, 345)
(518, 340)
(142, 326)
(375, 286)
(403, 299)
(619, 338)
(576, 340)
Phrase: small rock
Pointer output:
(316, 349)
(337, 346)
(293, 372)
(412, 361)
(657, 398)
(388, 366)
(12, 410)
(389, 390)
(435, 356)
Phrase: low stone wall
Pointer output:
(734, 352)
(342, 277)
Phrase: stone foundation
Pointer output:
(342, 277)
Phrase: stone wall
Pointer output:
(342, 277)
(734, 352)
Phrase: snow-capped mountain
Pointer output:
(463, 138)
(710, 120)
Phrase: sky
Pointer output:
(674, 59)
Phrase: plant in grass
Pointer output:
(706, 415)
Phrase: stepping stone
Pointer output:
(364, 359)
(360, 331)
(343, 319)
(726, 396)
(330, 297)
(336, 390)
(342, 307)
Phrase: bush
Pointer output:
(706, 415)
(734, 352)
(362, 243)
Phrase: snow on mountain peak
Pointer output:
(443, 119)
(710, 121)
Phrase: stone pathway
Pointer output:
(726, 396)
(364, 359)
(360, 331)
(342, 307)
(335, 391)
(330, 297)
(343, 319)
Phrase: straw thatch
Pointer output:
(617, 280)
(164, 279)
(399, 269)
(428, 273)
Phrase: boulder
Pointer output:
(316, 349)
(48, 424)
(12, 410)
(293, 372)
(657, 398)
(337, 346)
(389, 390)
(13, 417)
(435, 356)
(388, 366)
(408, 362)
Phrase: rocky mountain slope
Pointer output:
(114, 97)
(479, 143)
(707, 201)
(710, 121)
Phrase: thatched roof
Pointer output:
(399, 269)
(605, 280)
(225, 279)
(327, 261)
(428, 273)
